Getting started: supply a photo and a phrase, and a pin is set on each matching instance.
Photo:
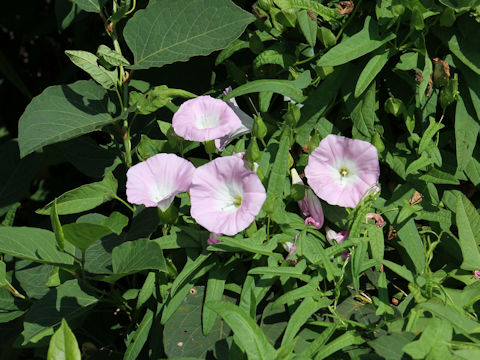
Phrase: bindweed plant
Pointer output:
(311, 191)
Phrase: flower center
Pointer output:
(344, 172)
(207, 121)
(237, 201)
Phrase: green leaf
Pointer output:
(214, 292)
(347, 339)
(308, 26)
(433, 340)
(140, 337)
(363, 115)
(11, 307)
(461, 323)
(288, 272)
(62, 112)
(85, 197)
(412, 243)
(390, 346)
(82, 235)
(437, 176)
(134, 256)
(65, 301)
(363, 42)
(57, 226)
(290, 88)
(466, 51)
(88, 62)
(428, 135)
(304, 311)
(147, 290)
(32, 244)
(325, 12)
(248, 335)
(234, 245)
(468, 223)
(466, 131)
(371, 70)
(111, 56)
(63, 344)
(90, 5)
(33, 277)
(189, 269)
(182, 334)
(171, 31)
(15, 174)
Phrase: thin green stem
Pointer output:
(125, 203)
(133, 7)
(348, 21)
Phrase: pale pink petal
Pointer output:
(341, 170)
(213, 238)
(225, 196)
(477, 274)
(245, 127)
(156, 181)
(312, 209)
(204, 118)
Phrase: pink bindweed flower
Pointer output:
(156, 181)
(204, 118)
(379, 222)
(245, 127)
(341, 170)
(225, 196)
(213, 238)
(339, 237)
(310, 205)
(312, 209)
(477, 274)
(291, 248)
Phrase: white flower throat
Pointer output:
(344, 171)
(207, 120)
(229, 197)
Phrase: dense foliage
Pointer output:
(376, 256)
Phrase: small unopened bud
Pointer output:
(253, 152)
(259, 127)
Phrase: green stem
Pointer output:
(348, 21)
(125, 203)
(133, 7)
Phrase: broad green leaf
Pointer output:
(82, 235)
(328, 14)
(188, 270)
(89, 158)
(234, 245)
(371, 70)
(88, 62)
(433, 340)
(390, 346)
(468, 223)
(460, 322)
(428, 135)
(231, 49)
(85, 197)
(400, 270)
(134, 256)
(289, 272)
(305, 291)
(140, 337)
(214, 292)
(33, 277)
(304, 311)
(278, 174)
(63, 344)
(308, 26)
(90, 5)
(346, 339)
(437, 176)
(62, 112)
(171, 31)
(149, 147)
(249, 336)
(290, 88)
(466, 51)
(363, 115)
(363, 42)
(111, 56)
(65, 301)
(11, 307)
(182, 334)
(15, 174)
(466, 131)
(412, 243)
(147, 290)
(33, 244)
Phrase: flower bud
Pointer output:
(259, 127)
(394, 106)
(292, 115)
(253, 152)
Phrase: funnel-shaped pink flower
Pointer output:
(311, 209)
(341, 170)
(204, 118)
(245, 127)
(156, 181)
(225, 196)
